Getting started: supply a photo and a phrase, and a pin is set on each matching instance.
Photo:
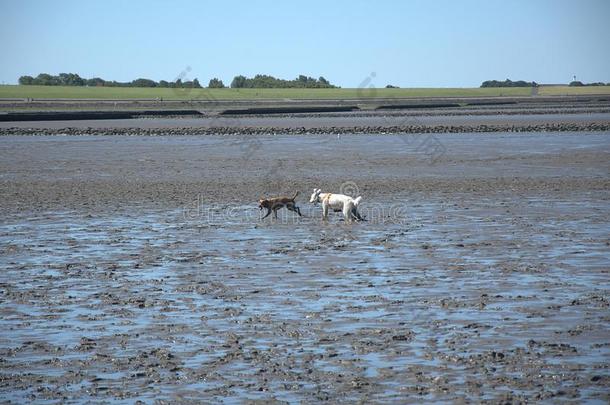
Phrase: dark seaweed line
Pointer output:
(410, 129)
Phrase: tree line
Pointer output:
(521, 83)
(73, 79)
(266, 81)
(258, 81)
(577, 83)
(508, 83)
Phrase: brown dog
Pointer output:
(274, 204)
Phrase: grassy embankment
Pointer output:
(124, 93)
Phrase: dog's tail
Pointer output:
(295, 194)
(357, 201)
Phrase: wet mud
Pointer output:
(138, 269)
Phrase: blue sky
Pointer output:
(405, 43)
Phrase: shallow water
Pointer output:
(447, 299)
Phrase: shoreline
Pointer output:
(298, 117)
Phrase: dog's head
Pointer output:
(315, 197)
(262, 203)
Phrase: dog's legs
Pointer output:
(347, 212)
(357, 214)
(350, 212)
(324, 211)
(267, 214)
(275, 212)
(294, 208)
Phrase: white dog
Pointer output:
(338, 203)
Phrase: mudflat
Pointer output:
(137, 268)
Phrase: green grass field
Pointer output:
(124, 93)
(572, 91)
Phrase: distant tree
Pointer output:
(70, 79)
(196, 84)
(389, 86)
(163, 83)
(45, 79)
(96, 81)
(576, 83)
(144, 83)
(26, 80)
(238, 82)
(216, 83)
